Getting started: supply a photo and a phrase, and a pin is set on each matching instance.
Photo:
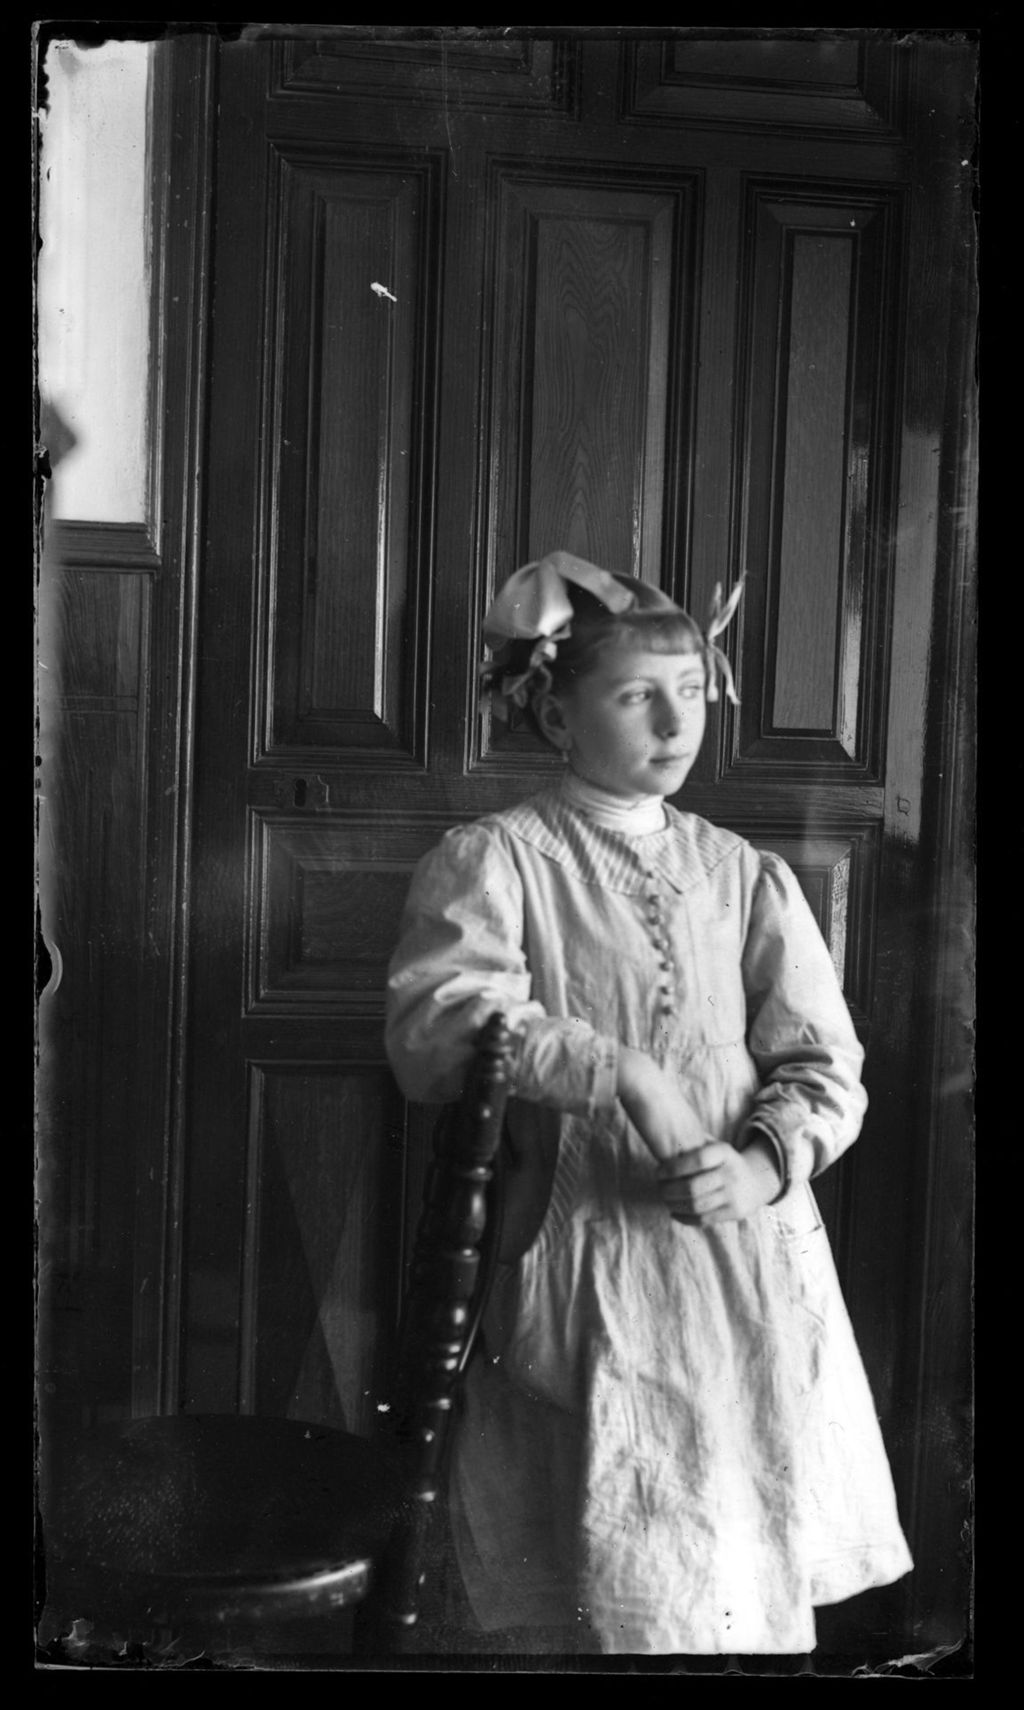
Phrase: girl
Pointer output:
(668, 1444)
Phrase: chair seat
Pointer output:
(220, 1517)
(195, 1521)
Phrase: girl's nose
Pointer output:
(669, 717)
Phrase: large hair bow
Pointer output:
(534, 606)
(534, 602)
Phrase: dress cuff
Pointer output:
(606, 1073)
(567, 1065)
(754, 1132)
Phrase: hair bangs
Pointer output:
(661, 631)
(661, 628)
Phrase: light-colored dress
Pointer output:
(668, 1441)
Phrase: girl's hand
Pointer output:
(717, 1184)
(656, 1106)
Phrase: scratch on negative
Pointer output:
(924, 1661)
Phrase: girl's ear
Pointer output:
(550, 715)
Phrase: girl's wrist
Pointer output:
(761, 1154)
(632, 1073)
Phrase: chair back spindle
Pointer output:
(455, 1244)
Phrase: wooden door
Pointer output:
(682, 307)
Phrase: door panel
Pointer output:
(329, 892)
(526, 76)
(347, 324)
(818, 87)
(583, 329)
(817, 483)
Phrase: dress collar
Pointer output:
(635, 818)
(681, 855)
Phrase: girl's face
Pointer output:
(632, 725)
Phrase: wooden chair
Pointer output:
(208, 1525)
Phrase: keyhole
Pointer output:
(299, 796)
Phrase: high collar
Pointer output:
(634, 818)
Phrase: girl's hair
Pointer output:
(654, 623)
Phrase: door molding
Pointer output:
(183, 116)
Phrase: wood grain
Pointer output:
(587, 276)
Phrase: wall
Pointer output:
(93, 280)
(93, 632)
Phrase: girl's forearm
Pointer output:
(655, 1105)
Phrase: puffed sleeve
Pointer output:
(459, 958)
(811, 1103)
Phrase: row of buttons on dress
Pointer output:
(667, 982)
